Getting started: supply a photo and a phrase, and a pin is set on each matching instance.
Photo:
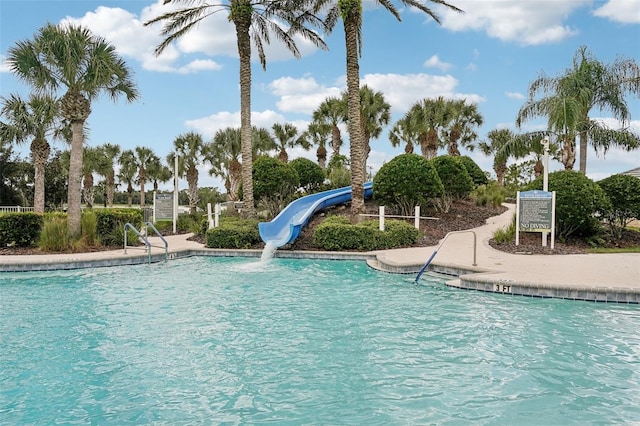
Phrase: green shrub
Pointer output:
(274, 183)
(89, 228)
(336, 233)
(234, 233)
(578, 200)
(110, 224)
(623, 192)
(489, 195)
(454, 176)
(406, 181)
(54, 235)
(310, 174)
(475, 172)
(20, 229)
(506, 234)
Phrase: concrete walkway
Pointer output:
(599, 277)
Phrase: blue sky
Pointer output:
(488, 55)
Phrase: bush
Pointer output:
(490, 194)
(234, 233)
(475, 172)
(623, 192)
(506, 234)
(406, 181)
(336, 233)
(274, 183)
(20, 229)
(54, 235)
(310, 174)
(578, 200)
(89, 227)
(454, 176)
(110, 224)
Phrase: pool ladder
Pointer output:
(144, 238)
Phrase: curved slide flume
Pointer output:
(286, 227)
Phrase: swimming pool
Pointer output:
(237, 341)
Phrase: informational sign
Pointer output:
(163, 206)
(535, 212)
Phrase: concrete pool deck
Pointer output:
(596, 277)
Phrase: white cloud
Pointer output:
(529, 22)
(514, 95)
(4, 66)
(209, 125)
(435, 62)
(624, 11)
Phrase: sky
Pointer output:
(489, 55)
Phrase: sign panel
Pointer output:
(163, 204)
(535, 211)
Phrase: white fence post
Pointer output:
(216, 221)
(416, 222)
(382, 218)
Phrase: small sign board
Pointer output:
(163, 206)
(535, 212)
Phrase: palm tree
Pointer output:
(286, 136)
(460, 130)
(332, 111)
(525, 144)
(318, 133)
(253, 20)
(223, 154)
(402, 132)
(374, 114)
(108, 154)
(427, 118)
(587, 85)
(37, 118)
(351, 13)
(144, 157)
(496, 140)
(70, 56)
(91, 160)
(128, 171)
(189, 149)
(158, 172)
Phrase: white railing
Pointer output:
(15, 209)
(416, 217)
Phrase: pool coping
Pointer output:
(463, 277)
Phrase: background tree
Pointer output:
(36, 119)
(318, 133)
(311, 176)
(350, 11)
(86, 65)
(108, 156)
(623, 192)
(144, 157)
(275, 183)
(588, 84)
(332, 112)
(189, 149)
(223, 153)
(128, 171)
(91, 163)
(253, 20)
(158, 172)
(463, 119)
(427, 119)
(403, 132)
(286, 136)
(496, 140)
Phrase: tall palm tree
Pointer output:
(223, 153)
(351, 13)
(588, 84)
(375, 113)
(286, 136)
(402, 132)
(253, 20)
(128, 171)
(71, 57)
(38, 118)
(189, 149)
(318, 134)
(460, 130)
(108, 154)
(332, 111)
(524, 144)
(427, 118)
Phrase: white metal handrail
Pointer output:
(426, 265)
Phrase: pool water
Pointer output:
(238, 341)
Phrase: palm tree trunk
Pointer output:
(74, 194)
(111, 187)
(40, 153)
(583, 152)
(192, 181)
(244, 48)
(353, 111)
(568, 153)
(335, 140)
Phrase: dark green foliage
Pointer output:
(406, 181)
(20, 229)
(477, 175)
(578, 200)
(490, 194)
(336, 233)
(234, 233)
(454, 176)
(623, 192)
(110, 224)
(310, 174)
(274, 183)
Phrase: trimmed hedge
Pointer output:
(110, 224)
(454, 176)
(336, 233)
(234, 233)
(20, 229)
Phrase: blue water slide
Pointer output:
(286, 227)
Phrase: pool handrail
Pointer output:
(147, 244)
(426, 265)
(166, 245)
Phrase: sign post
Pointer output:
(536, 212)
